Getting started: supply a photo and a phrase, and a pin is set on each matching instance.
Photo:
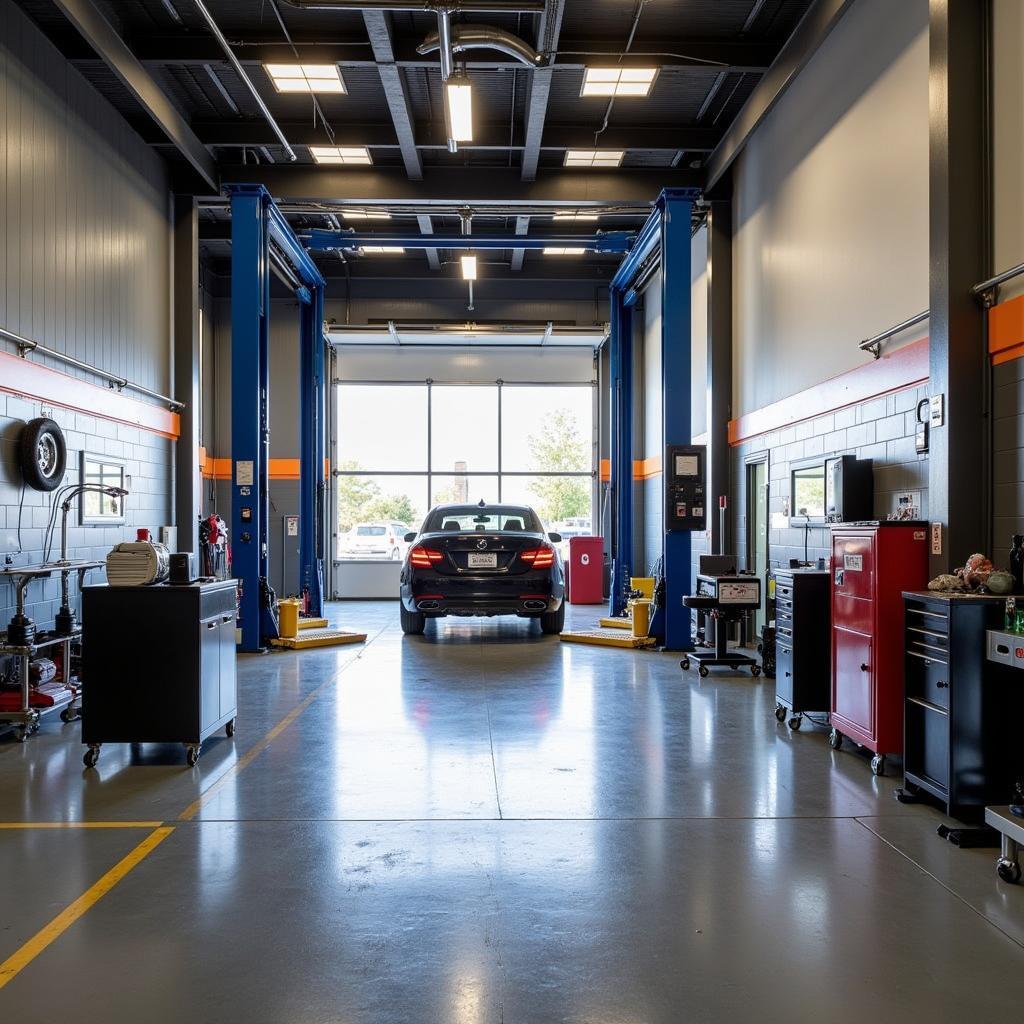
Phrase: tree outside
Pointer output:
(361, 500)
(561, 449)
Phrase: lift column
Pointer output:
(676, 328)
(312, 491)
(250, 384)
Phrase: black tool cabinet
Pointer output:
(961, 711)
(158, 664)
(803, 630)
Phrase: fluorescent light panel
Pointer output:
(593, 157)
(347, 155)
(468, 268)
(563, 250)
(459, 98)
(377, 250)
(618, 81)
(366, 215)
(306, 77)
(575, 216)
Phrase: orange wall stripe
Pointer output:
(278, 469)
(644, 469)
(893, 372)
(606, 470)
(1006, 329)
(23, 377)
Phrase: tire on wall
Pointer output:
(44, 454)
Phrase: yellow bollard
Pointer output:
(288, 617)
(641, 617)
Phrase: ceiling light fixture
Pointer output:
(594, 157)
(468, 268)
(458, 95)
(306, 77)
(575, 215)
(563, 250)
(341, 155)
(366, 215)
(618, 81)
(376, 250)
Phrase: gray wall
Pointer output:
(84, 269)
(1008, 139)
(830, 207)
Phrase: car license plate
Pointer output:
(479, 561)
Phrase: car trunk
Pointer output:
(477, 554)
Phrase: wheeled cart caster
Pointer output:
(192, 756)
(878, 764)
(835, 739)
(685, 664)
(230, 728)
(755, 670)
(794, 722)
(780, 713)
(702, 671)
(1008, 870)
(92, 755)
(69, 714)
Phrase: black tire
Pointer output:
(794, 723)
(878, 764)
(1008, 871)
(44, 454)
(780, 714)
(91, 757)
(553, 622)
(413, 623)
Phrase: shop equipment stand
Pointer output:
(1011, 829)
(726, 599)
(803, 677)
(159, 665)
(25, 719)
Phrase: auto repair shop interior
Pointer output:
(511, 511)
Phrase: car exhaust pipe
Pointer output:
(534, 605)
(427, 606)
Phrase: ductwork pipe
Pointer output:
(482, 37)
(444, 43)
(427, 6)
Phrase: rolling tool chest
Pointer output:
(961, 710)
(872, 564)
(803, 673)
(160, 663)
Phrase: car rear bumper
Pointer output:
(526, 596)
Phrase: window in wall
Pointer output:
(97, 508)
(375, 512)
(382, 427)
(464, 429)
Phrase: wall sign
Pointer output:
(853, 563)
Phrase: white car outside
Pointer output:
(379, 541)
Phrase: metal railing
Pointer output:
(988, 291)
(26, 345)
(874, 343)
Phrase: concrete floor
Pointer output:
(487, 825)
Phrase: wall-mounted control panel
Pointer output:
(685, 475)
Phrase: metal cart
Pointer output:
(25, 719)
(1011, 828)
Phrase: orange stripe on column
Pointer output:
(23, 377)
(1006, 330)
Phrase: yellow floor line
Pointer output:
(14, 964)
(78, 824)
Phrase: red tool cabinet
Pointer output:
(872, 564)
(586, 570)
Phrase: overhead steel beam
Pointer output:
(540, 88)
(100, 35)
(603, 241)
(426, 226)
(474, 185)
(378, 27)
(813, 30)
(354, 51)
(522, 227)
(250, 132)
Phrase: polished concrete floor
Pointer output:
(487, 825)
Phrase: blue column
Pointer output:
(250, 437)
(312, 492)
(675, 369)
(621, 404)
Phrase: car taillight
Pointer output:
(424, 558)
(539, 558)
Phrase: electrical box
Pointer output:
(685, 474)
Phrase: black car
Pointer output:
(482, 560)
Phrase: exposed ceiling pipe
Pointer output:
(429, 6)
(444, 36)
(484, 37)
(236, 64)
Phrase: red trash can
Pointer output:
(586, 570)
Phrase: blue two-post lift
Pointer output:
(259, 234)
(664, 239)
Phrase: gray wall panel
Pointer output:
(84, 269)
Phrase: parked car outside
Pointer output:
(376, 541)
